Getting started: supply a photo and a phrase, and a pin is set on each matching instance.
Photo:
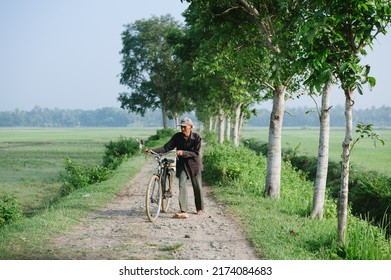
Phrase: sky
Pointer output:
(65, 54)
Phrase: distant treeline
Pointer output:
(115, 117)
(104, 117)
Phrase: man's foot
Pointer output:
(182, 215)
(200, 212)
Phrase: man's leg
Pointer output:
(183, 191)
(198, 195)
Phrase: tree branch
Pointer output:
(228, 10)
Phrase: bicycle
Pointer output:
(159, 190)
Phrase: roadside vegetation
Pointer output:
(282, 229)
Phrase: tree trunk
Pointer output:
(176, 121)
(228, 127)
(344, 191)
(241, 121)
(273, 172)
(164, 116)
(210, 124)
(323, 155)
(221, 127)
(216, 123)
(236, 128)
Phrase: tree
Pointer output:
(219, 60)
(319, 55)
(150, 69)
(351, 26)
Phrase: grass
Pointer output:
(364, 155)
(281, 229)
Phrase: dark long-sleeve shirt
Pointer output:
(190, 161)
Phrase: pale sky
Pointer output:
(65, 54)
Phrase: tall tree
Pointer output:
(351, 25)
(274, 22)
(150, 69)
(319, 55)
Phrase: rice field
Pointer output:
(32, 160)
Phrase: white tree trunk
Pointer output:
(228, 127)
(323, 155)
(164, 117)
(176, 121)
(273, 172)
(344, 191)
(210, 124)
(236, 128)
(221, 127)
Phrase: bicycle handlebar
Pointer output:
(160, 155)
(154, 153)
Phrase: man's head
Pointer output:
(186, 126)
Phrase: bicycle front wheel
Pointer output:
(153, 199)
(167, 180)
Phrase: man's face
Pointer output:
(186, 130)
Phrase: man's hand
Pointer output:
(179, 153)
(146, 151)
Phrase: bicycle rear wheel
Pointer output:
(167, 190)
(153, 199)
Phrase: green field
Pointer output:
(364, 156)
(32, 159)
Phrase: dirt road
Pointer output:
(122, 231)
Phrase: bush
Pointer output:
(239, 166)
(165, 133)
(10, 209)
(79, 175)
(117, 151)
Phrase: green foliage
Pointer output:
(259, 147)
(165, 133)
(80, 175)
(117, 151)
(238, 167)
(365, 242)
(149, 68)
(366, 131)
(10, 209)
(210, 137)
